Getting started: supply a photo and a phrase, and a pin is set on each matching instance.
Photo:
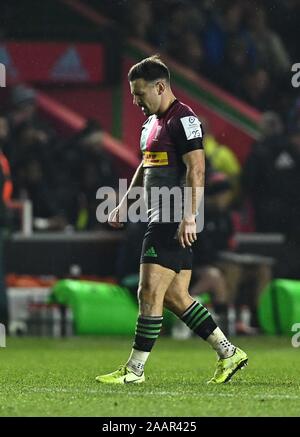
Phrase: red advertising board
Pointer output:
(53, 62)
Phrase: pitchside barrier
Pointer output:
(99, 308)
(279, 306)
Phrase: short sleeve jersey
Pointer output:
(164, 140)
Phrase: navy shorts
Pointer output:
(161, 246)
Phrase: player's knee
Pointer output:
(146, 295)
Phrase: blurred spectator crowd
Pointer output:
(59, 176)
(245, 46)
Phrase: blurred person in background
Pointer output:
(183, 36)
(140, 18)
(236, 64)
(256, 88)
(270, 50)
(216, 235)
(271, 131)
(285, 21)
(225, 24)
(83, 167)
(25, 123)
(23, 106)
(209, 280)
(95, 171)
(33, 180)
(189, 51)
(222, 159)
(30, 151)
(288, 174)
(271, 178)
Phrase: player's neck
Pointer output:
(166, 105)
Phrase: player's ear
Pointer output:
(161, 86)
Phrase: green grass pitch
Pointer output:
(56, 377)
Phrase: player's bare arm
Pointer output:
(114, 216)
(195, 173)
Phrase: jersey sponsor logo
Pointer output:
(152, 159)
(192, 127)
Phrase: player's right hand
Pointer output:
(114, 218)
(187, 232)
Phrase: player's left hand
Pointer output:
(187, 232)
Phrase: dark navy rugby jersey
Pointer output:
(163, 142)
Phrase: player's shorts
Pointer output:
(161, 246)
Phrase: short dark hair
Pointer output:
(149, 69)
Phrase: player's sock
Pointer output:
(147, 331)
(199, 320)
(221, 344)
(137, 360)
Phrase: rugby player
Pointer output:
(173, 156)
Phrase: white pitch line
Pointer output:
(155, 393)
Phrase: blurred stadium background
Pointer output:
(68, 127)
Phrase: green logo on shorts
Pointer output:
(151, 252)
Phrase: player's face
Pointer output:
(146, 95)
